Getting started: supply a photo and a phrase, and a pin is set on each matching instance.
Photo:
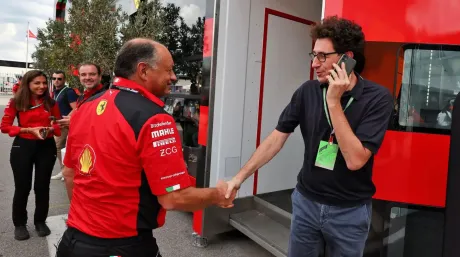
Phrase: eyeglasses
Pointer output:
(57, 78)
(321, 56)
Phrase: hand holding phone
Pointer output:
(350, 63)
(339, 79)
(44, 132)
(64, 122)
(38, 132)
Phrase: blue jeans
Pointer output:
(344, 230)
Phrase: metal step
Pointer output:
(273, 211)
(266, 224)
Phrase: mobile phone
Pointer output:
(44, 132)
(350, 63)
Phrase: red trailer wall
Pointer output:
(415, 21)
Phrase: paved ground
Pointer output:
(174, 238)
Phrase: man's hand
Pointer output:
(339, 82)
(64, 122)
(223, 201)
(233, 185)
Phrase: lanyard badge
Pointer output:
(331, 138)
(327, 151)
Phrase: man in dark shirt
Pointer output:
(343, 120)
(67, 101)
(124, 162)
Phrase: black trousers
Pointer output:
(75, 243)
(25, 154)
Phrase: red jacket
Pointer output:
(36, 116)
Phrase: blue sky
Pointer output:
(14, 16)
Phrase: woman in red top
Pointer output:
(33, 145)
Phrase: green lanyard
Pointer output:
(327, 111)
(60, 93)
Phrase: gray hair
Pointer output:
(132, 53)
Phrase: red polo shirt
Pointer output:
(125, 151)
(89, 93)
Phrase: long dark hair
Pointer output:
(22, 97)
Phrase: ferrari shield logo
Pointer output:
(87, 160)
(101, 107)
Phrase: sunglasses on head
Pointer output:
(57, 78)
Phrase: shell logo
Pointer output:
(87, 160)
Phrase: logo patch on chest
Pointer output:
(87, 160)
(101, 107)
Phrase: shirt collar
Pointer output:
(92, 91)
(56, 91)
(32, 101)
(122, 82)
(357, 90)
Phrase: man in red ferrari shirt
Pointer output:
(90, 77)
(124, 162)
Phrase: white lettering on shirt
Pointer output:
(160, 124)
(164, 142)
(173, 175)
(162, 132)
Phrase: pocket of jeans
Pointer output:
(15, 153)
(367, 209)
(293, 193)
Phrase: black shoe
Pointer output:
(42, 229)
(21, 233)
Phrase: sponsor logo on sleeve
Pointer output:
(160, 124)
(164, 142)
(173, 175)
(168, 151)
(162, 132)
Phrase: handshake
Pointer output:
(227, 192)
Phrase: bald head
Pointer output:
(133, 52)
(148, 63)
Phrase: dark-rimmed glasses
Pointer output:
(320, 56)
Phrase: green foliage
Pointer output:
(146, 23)
(96, 29)
(52, 47)
(96, 22)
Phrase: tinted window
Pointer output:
(430, 83)
(415, 232)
